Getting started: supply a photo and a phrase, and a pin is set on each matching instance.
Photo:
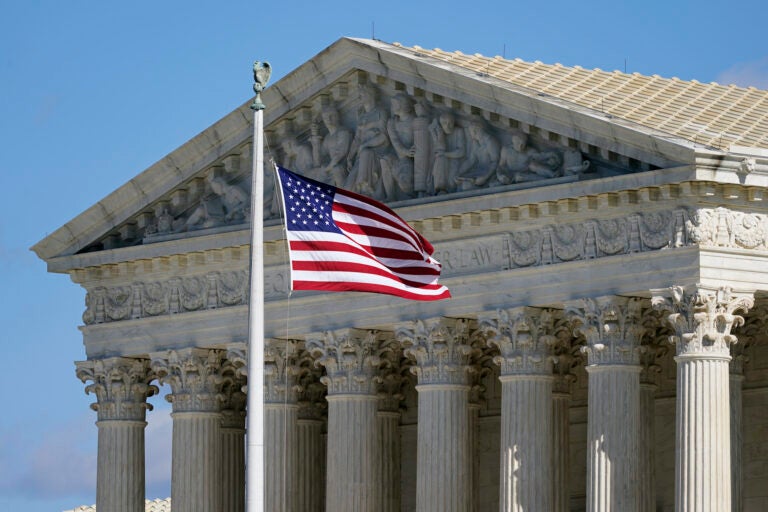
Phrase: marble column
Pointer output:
(612, 328)
(390, 393)
(233, 431)
(233, 448)
(736, 381)
(525, 339)
(194, 375)
(310, 484)
(702, 319)
(561, 428)
(350, 358)
(121, 386)
(441, 351)
(280, 425)
(649, 377)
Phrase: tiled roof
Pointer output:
(711, 114)
(156, 505)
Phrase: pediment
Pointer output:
(379, 119)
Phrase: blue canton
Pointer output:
(308, 203)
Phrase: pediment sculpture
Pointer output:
(376, 140)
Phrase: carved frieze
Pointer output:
(377, 138)
(723, 227)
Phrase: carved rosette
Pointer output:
(280, 370)
(441, 350)
(525, 338)
(195, 378)
(612, 327)
(702, 318)
(350, 358)
(121, 386)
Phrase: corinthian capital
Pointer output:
(280, 370)
(121, 386)
(194, 375)
(702, 318)
(441, 349)
(525, 338)
(612, 327)
(350, 358)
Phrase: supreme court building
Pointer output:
(605, 239)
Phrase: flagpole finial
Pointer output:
(261, 74)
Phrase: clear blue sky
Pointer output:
(95, 92)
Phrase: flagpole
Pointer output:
(254, 476)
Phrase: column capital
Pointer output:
(233, 398)
(350, 358)
(440, 348)
(280, 370)
(525, 338)
(702, 317)
(311, 396)
(612, 327)
(393, 376)
(194, 375)
(121, 385)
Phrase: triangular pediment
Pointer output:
(386, 121)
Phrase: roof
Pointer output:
(705, 113)
(156, 505)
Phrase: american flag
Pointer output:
(342, 241)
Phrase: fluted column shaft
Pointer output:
(389, 460)
(561, 468)
(310, 484)
(121, 387)
(280, 450)
(647, 448)
(702, 476)
(120, 466)
(737, 439)
(612, 437)
(352, 453)
(702, 319)
(233, 468)
(350, 358)
(442, 353)
(196, 462)
(443, 453)
(526, 443)
(612, 328)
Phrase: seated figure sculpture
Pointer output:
(449, 143)
(329, 152)
(397, 167)
(225, 204)
(520, 163)
(369, 146)
(483, 161)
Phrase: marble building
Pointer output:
(605, 239)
